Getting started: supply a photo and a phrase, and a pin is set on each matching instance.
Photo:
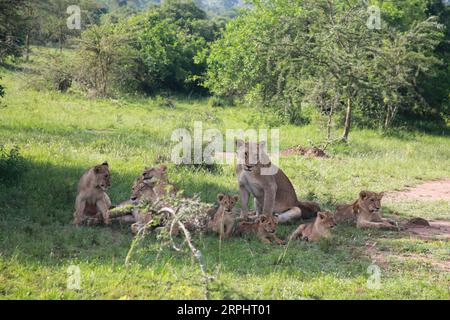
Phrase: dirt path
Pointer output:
(428, 191)
(432, 190)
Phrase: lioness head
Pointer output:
(326, 219)
(152, 176)
(252, 154)
(269, 224)
(143, 186)
(102, 176)
(227, 201)
(371, 201)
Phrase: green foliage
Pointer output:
(59, 73)
(12, 164)
(164, 102)
(12, 27)
(289, 53)
(146, 51)
(105, 58)
(167, 39)
(61, 134)
(2, 90)
(216, 101)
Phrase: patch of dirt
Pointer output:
(381, 258)
(305, 151)
(432, 190)
(437, 229)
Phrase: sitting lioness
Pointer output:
(92, 202)
(222, 219)
(263, 226)
(316, 230)
(271, 189)
(366, 212)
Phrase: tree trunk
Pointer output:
(60, 40)
(27, 47)
(330, 122)
(348, 120)
(386, 119)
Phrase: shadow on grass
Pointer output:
(35, 228)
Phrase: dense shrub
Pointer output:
(12, 164)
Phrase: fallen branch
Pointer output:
(195, 252)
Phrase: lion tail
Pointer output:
(309, 209)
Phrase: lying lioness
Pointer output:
(316, 230)
(150, 186)
(366, 212)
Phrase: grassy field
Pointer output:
(61, 135)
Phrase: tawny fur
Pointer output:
(365, 212)
(271, 189)
(150, 186)
(264, 227)
(92, 202)
(222, 219)
(316, 230)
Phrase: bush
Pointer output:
(12, 164)
(164, 102)
(56, 75)
(216, 101)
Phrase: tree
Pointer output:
(167, 39)
(11, 27)
(287, 53)
(104, 57)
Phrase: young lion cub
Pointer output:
(92, 202)
(316, 230)
(222, 220)
(264, 226)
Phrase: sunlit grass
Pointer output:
(60, 135)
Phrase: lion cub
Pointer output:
(366, 212)
(264, 226)
(92, 202)
(222, 220)
(316, 230)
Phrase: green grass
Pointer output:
(61, 135)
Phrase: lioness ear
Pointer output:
(321, 215)
(235, 198)
(381, 195)
(97, 169)
(163, 168)
(363, 194)
(220, 196)
(263, 218)
(105, 164)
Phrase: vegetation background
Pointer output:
(116, 89)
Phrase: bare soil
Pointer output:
(437, 229)
(432, 190)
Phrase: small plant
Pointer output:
(216, 101)
(164, 102)
(59, 73)
(12, 164)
